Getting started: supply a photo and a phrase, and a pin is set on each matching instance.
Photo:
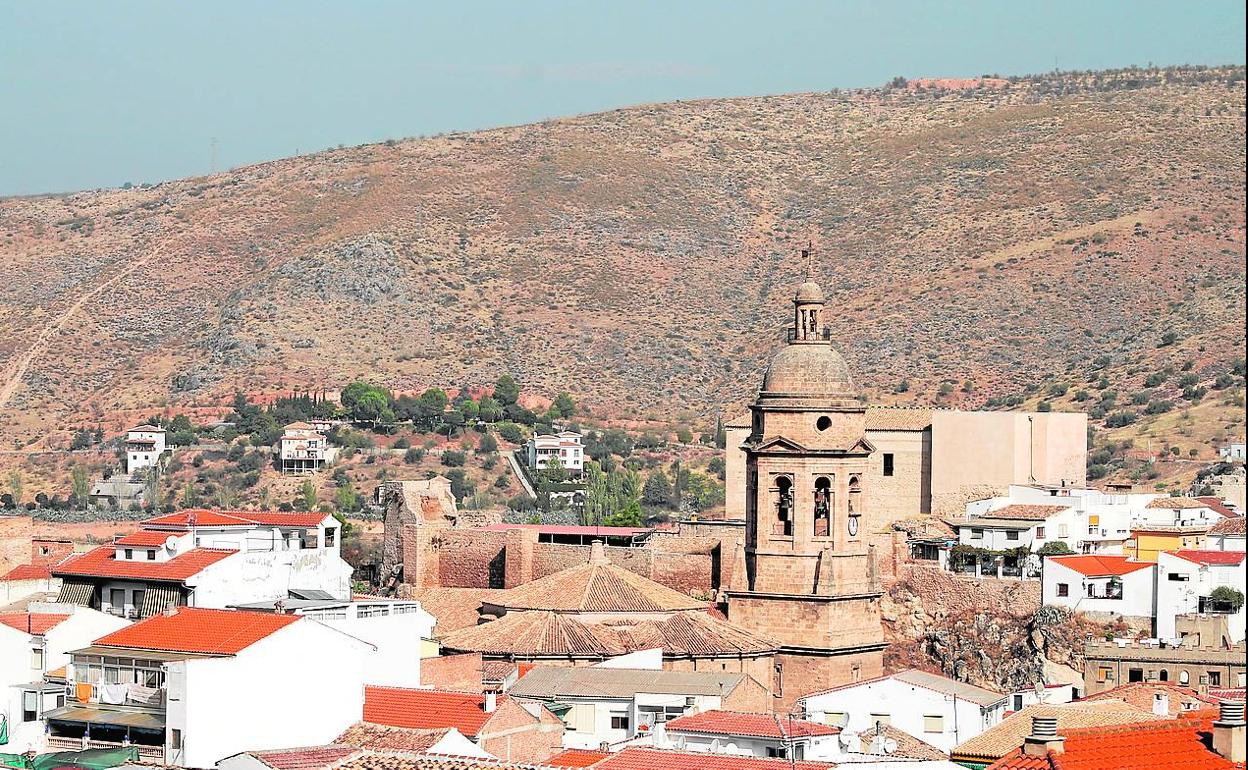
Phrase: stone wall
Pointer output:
(470, 558)
(15, 535)
(939, 593)
(452, 672)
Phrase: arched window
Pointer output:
(784, 506)
(855, 496)
(1164, 675)
(823, 506)
(1183, 678)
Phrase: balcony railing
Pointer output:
(150, 753)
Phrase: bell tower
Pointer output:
(810, 577)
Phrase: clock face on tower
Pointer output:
(853, 526)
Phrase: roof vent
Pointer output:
(597, 554)
(1044, 738)
(1229, 731)
(1161, 704)
(1231, 712)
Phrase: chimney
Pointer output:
(1044, 738)
(597, 554)
(491, 702)
(1161, 704)
(1229, 732)
(171, 609)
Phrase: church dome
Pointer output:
(808, 370)
(808, 292)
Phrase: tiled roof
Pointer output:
(103, 562)
(456, 608)
(209, 518)
(1141, 695)
(637, 758)
(34, 623)
(540, 634)
(718, 722)
(1233, 525)
(1176, 503)
(377, 761)
(898, 418)
(426, 709)
(374, 737)
(305, 758)
(143, 537)
(1218, 506)
(553, 682)
(569, 529)
(577, 758)
(1166, 745)
(598, 586)
(1099, 565)
(199, 630)
(1003, 738)
(1218, 558)
(1025, 512)
(28, 572)
(146, 429)
(300, 425)
(908, 746)
(928, 681)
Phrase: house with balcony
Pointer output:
(34, 643)
(144, 446)
(1103, 586)
(1186, 581)
(204, 558)
(191, 686)
(303, 449)
(750, 734)
(565, 446)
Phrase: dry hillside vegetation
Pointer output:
(642, 259)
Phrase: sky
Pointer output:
(96, 94)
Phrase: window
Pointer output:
(777, 679)
(855, 673)
(888, 463)
(580, 718)
(1135, 675)
(129, 552)
(1011, 535)
(1215, 678)
(823, 423)
(36, 658)
(619, 721)
(151, 555)
(777, 752)
(1183, 678)
(834, 718)
(933, 723)
(1063, 530)
(175, 739)
(1177, 576)
(117, 598)
(884, 720)
(823, 506)
(331, 534)
(137, 598)
(1063, 589)
(1104, 674)
(1018, 701)
(977, 534)
(1164, 675)
(1039, 533)
(44, 550)
(30, 706)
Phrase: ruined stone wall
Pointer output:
(471, 558)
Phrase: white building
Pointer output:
(194, 686)
(203, 558)
(27, 580)
(1102, 585)
(1233, 452)
(1227, 535)
(397, 629)
(750, 734)
(144, 446)
(565, 446)
(33, 644)
(303, 449)
(1185, 580)
(933, 708)
(614, 705)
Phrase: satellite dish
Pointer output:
(889, 745)
(171, 543)
(841, 721)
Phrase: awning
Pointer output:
(156, 599)
(143, 720)
(76, 592)
(310, 593)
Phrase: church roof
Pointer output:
(808, 369)
(808, 292)
(597, 586)
(549, 634)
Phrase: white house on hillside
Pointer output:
(1102, 585)
(193, 686)
(144, 446)
(565, 446)
(1185, 580)
(938, 710)
(303, 449)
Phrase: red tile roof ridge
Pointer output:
(199, 630)
(102, 562)
(33, 623)
(1199, 556)
(28, 572)
(1094, 565)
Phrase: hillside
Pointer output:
(989, 240)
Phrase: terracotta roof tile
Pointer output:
(375, 737)
(1141, 695)
(1000, 740)
(577, 758)
(898, 418)
(103, 562)
(1218, 506)
(1230, 526)
(198, 630)
(908, 746)
(1025, 512)
(719, 722)
(28, 572)
(143, 537)
(426, 709)
(637, 758)
(377, 761)
(456, 608)
(1212, 558)
(1100, 565)
(34, 623)
(1166, 745)
(305, 758)
(1177, 503)
(204, 517)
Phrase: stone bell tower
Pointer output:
(810, 578)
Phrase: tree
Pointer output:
(1229, 596)
(684, 435)
(452, 458)
(487, 445)
(490, 410)
(506, 390)
(1053, 548)
(15, 486)
(511, 432)
(453, 419)
(83, 439)
(346, 498)
(564, 403)
(657, 490)
(80, 486)
(554, 471)
(367, 403)
(307, 498)
(190, 498)
(627, 516)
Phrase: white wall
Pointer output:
(1181, 583)
(301, 686)
(1138, 591)
(906, 706)
(396, 661)
(268, 575)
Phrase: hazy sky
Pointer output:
(100, 92)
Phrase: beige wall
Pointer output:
(978, 454)
(734, 469)
(907, 493)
